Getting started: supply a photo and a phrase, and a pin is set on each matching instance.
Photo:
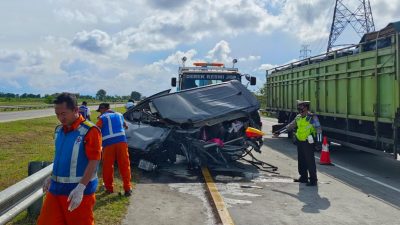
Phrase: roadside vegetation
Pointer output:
(20, 101)
(11, 99)
(32, 140)
(261, 95)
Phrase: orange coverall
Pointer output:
(55, 207)
(119, 152)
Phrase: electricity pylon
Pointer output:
(360, 19)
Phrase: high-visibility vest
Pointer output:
(70, 160)
(304, 127)
(84, 111)
(112, 130)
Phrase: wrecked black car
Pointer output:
(210, 126)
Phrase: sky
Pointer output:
(51, 46)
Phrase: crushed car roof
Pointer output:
(204, 103)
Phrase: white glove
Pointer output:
(46, 184)
(75, 197)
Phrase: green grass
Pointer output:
(32, 140)
(21, 101)
(21, 142)
(109, 209)
(41, 101)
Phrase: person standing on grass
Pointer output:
(115, 147)
(70, 189)
(84, 110)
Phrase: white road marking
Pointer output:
(366, 177)
(349, 170)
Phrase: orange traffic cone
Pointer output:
(325, 158)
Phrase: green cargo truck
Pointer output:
(355, 91)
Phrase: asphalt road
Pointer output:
(360, 189)
(172, 195)
(23, 115)
(31, 114)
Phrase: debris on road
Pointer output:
(251, 186)
(212, 125)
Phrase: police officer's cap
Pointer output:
(302, 102)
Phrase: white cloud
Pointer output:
(221, 52)
(176, 58)
(10, 56)
(76, 16)
(78, 67)
(250, 58)
(24, 58)
(160, 24)
(95, 41)
(266, 66)
(138, 44)
(384, 12)
(91, 11)
(99, 42)
(167, 4)
(194, 21)
(308, 20)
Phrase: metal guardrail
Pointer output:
(21, 195)
(24, 107)
(45, 106)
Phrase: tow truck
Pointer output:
(205, 73)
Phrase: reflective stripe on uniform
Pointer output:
(110, 129)
(75, 150)
(69, 180)
(113, 135)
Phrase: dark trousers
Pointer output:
(306, 160)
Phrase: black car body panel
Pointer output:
(205, 124)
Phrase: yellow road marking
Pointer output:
(219, 203)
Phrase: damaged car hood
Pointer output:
(205, 103)
(183, 123)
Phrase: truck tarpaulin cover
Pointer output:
(205, 124)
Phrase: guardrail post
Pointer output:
(33, 167)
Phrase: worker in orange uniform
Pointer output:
(115, 147)
(70, 189)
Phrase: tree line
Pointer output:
(101, 95)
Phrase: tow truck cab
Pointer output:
(203, 73)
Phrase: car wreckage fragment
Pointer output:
(210, 126)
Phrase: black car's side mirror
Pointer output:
(173, 82)
(253, 81)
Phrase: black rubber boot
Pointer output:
(301, 180)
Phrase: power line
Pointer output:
(304, 52)
(360, 19)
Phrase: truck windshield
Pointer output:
(196, 80)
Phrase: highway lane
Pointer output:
(372, 174)
(361, 189)
(31, 114)
(23, 115)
